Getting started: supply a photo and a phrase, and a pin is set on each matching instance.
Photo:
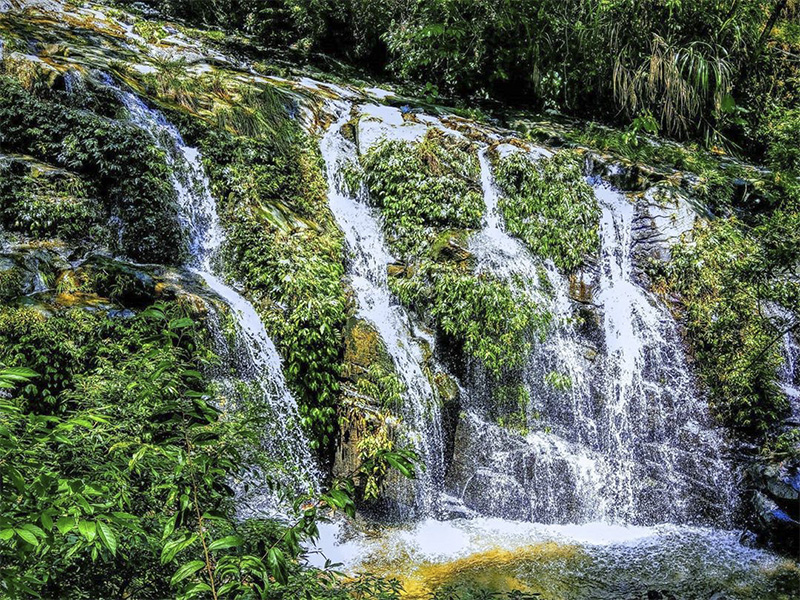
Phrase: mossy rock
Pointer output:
(446, 387)
(364, 349)
(579, 289)
(32, 73)
(12, 279)
(29, 269)
(118, 281)
(452, 245)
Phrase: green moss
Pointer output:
(550, 206)
(151, 31)
(11, 280)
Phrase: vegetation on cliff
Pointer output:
(118, 458)
(717, 70)
(428, 196)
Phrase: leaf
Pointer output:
(197, 589)
(88, 529)
(107, 536)
(230, 541)
(187, 570)
(6, 534)
(37, 531)
(27, 536)
(171, 549)
(65, 524)
(277, 564)
(728, 104)
(181, 323)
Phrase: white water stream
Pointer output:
(258, 360)
(367, 272)
(626, 447)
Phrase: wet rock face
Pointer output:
(471, 477)
(363, 348)
(29, 270)
(775, 504)
(663, 218)
(50, 276)
(498, 473)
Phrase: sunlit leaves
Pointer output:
(737, 309)
(550, 207)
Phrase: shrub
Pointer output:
(550, 206)
(118, 161)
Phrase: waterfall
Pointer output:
(367, 271)
(630, 440)
(654, 423)
(789, 373)
(256, 357)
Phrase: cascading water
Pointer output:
(626, 447)
(541, 476)
(668, 460)
(257, 358)
(628, 440)
(367, 270)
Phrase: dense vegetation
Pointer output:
(124, 178)
(428, 196)
(550, 207)
(116, 464)
(284, 245)
(117, 461)
(718, 70)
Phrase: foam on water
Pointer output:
(593, 561)
(437, 541)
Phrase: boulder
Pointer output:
(664, 217)
(774, 503)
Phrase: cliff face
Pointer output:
(559, 334)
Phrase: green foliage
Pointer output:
(119, 162)
(781, 132)
(383, 386)
(425, 187)
(429, 198)
(558, 381)
(10, 281)
(494, 321)
(284, 245)
(728, 280)
(123, 473)
(550, 206)
(47, 205)
(94, 436)
(705, 70)
(509, 404)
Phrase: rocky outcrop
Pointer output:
(51, 276)
(774, 498)
(664, 216)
